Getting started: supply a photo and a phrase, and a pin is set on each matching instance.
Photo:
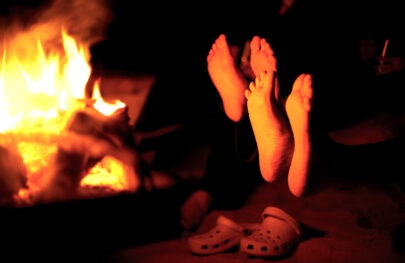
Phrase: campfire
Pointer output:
(59, 139)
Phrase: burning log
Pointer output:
(90, 137)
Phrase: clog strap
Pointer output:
(275, 212)
(222, 220)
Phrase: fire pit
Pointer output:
(59, 139)
(69, 170)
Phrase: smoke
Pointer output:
(85, 20)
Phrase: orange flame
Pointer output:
(103, 107)
(40, 88)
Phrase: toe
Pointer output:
(247, 93)
(298, 83)
(259, 79)
(307, 104)
(210, 54)
(263, 44)
(266, 48)
(214, 47)
(255, 44)
(307, 86)
(221, 41)
(252, 86)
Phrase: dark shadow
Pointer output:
(102, 224)
(398, 236)
(308, 232)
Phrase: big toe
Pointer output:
(221, 41)
(298, 83)
(307, 86)
(255, 44)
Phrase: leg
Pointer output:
(227, 180)
(227, 78)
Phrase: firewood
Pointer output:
(75, 156)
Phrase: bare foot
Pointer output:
(227, 78)
(272, 132)
(262, 59)
(262, 56)
(298, 107)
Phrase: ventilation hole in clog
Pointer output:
(268, 231)
(251, 247)
(216, 246)
(261, 234)
(278, 237)
(211, 236)
(218, 231)
(226, 241)
(276, 248)
(284, 245)
(264, 249)
(204, 247)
